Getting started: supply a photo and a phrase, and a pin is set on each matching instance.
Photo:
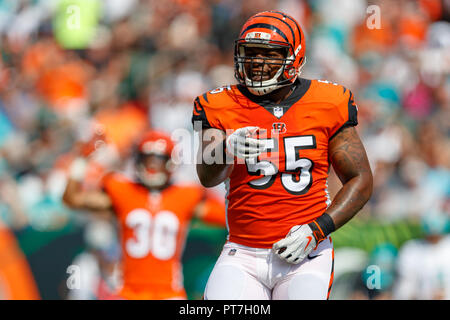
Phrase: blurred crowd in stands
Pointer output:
(72, 68)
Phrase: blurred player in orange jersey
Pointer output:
(153, 216)
(16, 279)
(282, 133)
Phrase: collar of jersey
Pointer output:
(301, 87)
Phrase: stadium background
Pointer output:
(68, 65)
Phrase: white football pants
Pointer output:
(245, 273)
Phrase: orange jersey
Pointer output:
(287, 185)
(16, 278)
(153, 229)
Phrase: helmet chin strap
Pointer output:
(156, 180)
(265, 90)
(266, 86)
(270, 85)
(152, 180)
(299, 70)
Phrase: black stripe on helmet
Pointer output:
(267, 26)
(293, 20)
(290, 28)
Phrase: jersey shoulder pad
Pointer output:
(217, 98)
(330, 92)
(338, 102)
(191, 194)
(114, 180)
(208, 107)
(190, 189)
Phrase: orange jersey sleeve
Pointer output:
(287, 184)
(343, 110)
(209, 107)
(119, 189)
(213, 210)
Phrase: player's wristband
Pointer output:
(77, 169)
(322, 226)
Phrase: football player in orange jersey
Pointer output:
(153, 216)
(281, 133)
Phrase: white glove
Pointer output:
(240, 144)
(296, 246)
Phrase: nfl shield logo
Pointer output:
(278, 112)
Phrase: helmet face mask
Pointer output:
(269, 31)
(153, 170)
(153, 163)
(264, 72)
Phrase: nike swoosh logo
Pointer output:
(313, 257)
(309, 241)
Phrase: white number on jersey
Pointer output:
(295, 164)
(266, 168)
(156, 234)
(298, 177)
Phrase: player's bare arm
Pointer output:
(349, 160)
(74, 195)
(76, 198)
(212, 174)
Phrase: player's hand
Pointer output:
(298, 243)
(97, 141)
(241, 145)
(302, 239)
